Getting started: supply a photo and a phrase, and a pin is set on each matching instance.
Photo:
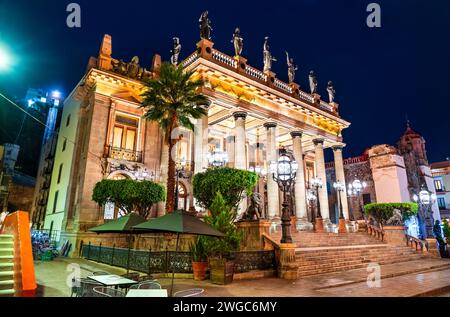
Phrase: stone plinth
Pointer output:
(342, 226)
(287, 267)
(252, 234)
(433, 248)
(395, 235)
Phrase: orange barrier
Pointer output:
(17, 224)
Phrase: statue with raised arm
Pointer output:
(238, 42)
(205, 26)
(331, 91)
(268, 58)
(291, 68)
(175, 51)
(313, 82)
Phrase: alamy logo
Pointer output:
(74, 18)
(374, 18)
(374, 277)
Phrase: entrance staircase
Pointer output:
(320, 253)
(6, 265)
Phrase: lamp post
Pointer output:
(180, 172)
(340, 187)
(316, 183)
(355, 189)
(425, 199)
(284, 172)
(217, 158)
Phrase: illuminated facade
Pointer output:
(252, 115)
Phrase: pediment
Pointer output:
(128, 96)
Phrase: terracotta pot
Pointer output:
(199, 269)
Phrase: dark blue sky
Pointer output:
(381, 75)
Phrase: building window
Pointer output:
(60, 172)
(438, 185)
(366, 199)
(125, 132)
(68, 120)
(55, 201)
(441, 202)
(64, 145)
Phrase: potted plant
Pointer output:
(199, 256)
(221, 250)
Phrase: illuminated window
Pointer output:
(55, 201)
(438, 184)
(441, 202)
(60, 172)
(125, 132)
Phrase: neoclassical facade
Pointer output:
(251, 115)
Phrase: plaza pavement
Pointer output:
(429, 277)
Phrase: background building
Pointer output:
(441, 177)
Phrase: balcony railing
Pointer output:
(124, 154)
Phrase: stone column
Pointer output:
(273, 202)
(240, 155)
(320, 168)
(340, 176)
(230, 150)
(239, 151)
(201, 144)
(300, 188)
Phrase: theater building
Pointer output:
(251, 115)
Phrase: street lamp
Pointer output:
(316, 183)
(355, 189)
(426, 199)
(217, 158)
(284, 172)
(340, 187)
(180, 170)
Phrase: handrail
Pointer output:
(267, 239)
(416, 242)
(375, 231)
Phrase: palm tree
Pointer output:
(172, 100)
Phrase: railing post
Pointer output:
(99, 253)
(149, 260)
(89, 250)
(112, 255)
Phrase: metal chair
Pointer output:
(102, 291)
(149, 285)
(87, 287)
(193, 292)
(100, 273)
(132, 276)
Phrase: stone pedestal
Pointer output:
(302, 224)
(395, 235)
(319, 225)
(287, 267)
(252, 234)
(352, 226)
(433, 248)
(342, 226)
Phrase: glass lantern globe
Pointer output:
(310, 196)
(316, 182)
(424, 197)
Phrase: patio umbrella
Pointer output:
(121, 225)
(178, 222)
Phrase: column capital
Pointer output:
(338, 147)
(318, 141)
(239, 114)
(269, 125)
(295, 134)
(206, 104)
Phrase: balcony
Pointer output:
(124, 154)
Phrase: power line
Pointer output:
(42, 123)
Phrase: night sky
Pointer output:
(380, 75)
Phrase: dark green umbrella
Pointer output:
(122, 225)
(178, 222)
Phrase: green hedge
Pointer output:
(129, 195)
(231, 182)
(383, 211)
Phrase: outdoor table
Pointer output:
(112, 280)
(147, 293)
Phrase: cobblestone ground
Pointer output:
(397, 281)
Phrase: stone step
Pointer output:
(346, 267)
(339, 262)
(4, 258)
(8, 266)
(368, 253)
(8, 237)
(6, 251)
(6, 284)
(7, 293)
